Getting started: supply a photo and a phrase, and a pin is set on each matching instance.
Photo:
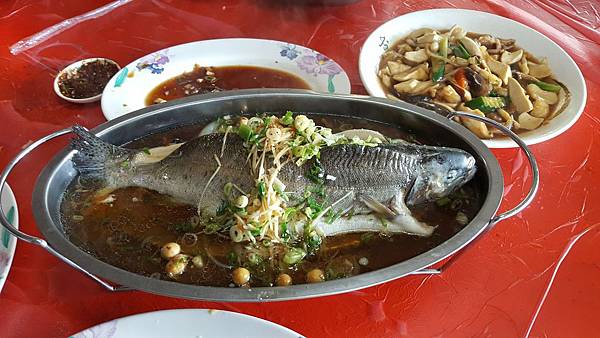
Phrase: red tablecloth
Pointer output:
(525, 265)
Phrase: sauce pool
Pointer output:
(202, 80)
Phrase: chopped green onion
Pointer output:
(288, 213)
(245, 132)
(287, 119)
(440, 65)
(460, 51)
(262, 190)
(313, 242)
(281, 193)
(293, 256)
(332, 216)
(146, 151)
(316, 173)
(254, 259)
(549, 87)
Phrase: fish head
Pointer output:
(441, 173)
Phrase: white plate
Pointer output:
(8, 243)
(196, 323)
(536, 43)
(127, 90)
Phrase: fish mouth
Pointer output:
(472, 169)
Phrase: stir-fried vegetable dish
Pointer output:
(476, 73)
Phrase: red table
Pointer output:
(544, 261)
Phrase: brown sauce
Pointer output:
(129, 231)
(202, 80)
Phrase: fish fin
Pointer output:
(395, 218)
(95, 155)
(404, 220)
(154, 155)
(377, 207)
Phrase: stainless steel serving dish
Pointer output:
(59, 173)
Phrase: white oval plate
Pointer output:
(196, 323)
(562, 65)
(8, 242)
(128, 89)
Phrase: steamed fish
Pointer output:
(370, 187)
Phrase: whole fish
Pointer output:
(371, 183)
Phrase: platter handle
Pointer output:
(36, 240)
(507, 214)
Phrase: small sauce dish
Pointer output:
(83, 81)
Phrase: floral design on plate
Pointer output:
(313, 63)
(155, 62)
(121, 77)
(289, 51)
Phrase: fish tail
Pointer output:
(95, 156)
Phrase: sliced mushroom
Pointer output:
(563, 99)
(386, 80)
(460, 62)
(420, 72)
(478, 85)
(528, 122)
(502, 91)
(428, 38)
(518, 97)
(471, 46)
(509, 58)
(420, 32)
(500, 69)
(448, 94)
(416, 57)
(404, 47)
(390, 55)
(397, 67)
(539, 70)
(524, 79)
(539, 94)
(413, 87)
(457, 32)
(434, 47)
(506, 117)
(523, 66)
(540, 109)
(491, 78)
(477, 127)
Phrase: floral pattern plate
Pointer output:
(188, 323)
(128, 89)
(8, 243)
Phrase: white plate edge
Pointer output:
(341, 79)
(12, 244)
(365, 75)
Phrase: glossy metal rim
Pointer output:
(58, 241)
